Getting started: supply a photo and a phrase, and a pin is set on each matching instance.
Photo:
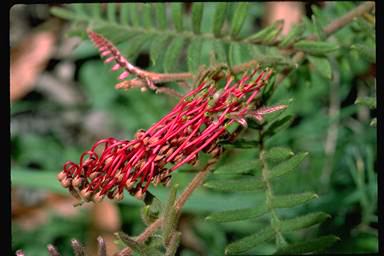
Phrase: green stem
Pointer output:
(275, 221)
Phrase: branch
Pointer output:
(328, 30)
(195, 183)
(346, 19)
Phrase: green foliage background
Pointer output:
(345, 181)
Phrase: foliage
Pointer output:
(283, 177)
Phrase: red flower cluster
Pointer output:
(195, 124)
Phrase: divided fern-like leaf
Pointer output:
(197, 16)
(322, 65)
(194, 54)
(177, 15)
(238, 214)
(172, 53)
(278, 154)
(111, 12)
(292, 200)
(286, 166)
(240, 184)
(240, 166)
(161, 17)
(147, 16)
(241, 11)
(157, 47)
(268, 33)
(245, 244)
(123, 21)
(219, 18)
(309, 246)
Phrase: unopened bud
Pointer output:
(153, 140)
(163, 148)
(93, 175)
(119, 196)
(108, 160)
(76, 182)
(139, 194)
(85, 194)
(61, 175)
(66, 182)
(97, 197)
(159, 157)
(129, 184)
(178, 158)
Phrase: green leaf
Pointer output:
(234, 54)
(161, 17)
(78, 8)
(124, 13)
(278, 154)
(238, 19)
(131, 243)
(172, 53)
(270, 32)
(111, 12)
(296, 31)
(246, 243)
(373, 122)
(137, 43)
(194, 54)
(278, 125)
(219, 48)
(240, 214)
(287, 166)
(369, 53)
(241, 184)
(318, 29)
(177, 15)
(366, 101)
(316, 47)
(95, 10)
(114, 33)
(302, 221)
(240, 143)
(157, 47)
(133, 14)
(63, 13)
(309, 246)
(146, 14)
(219, 18)
(197, 15)
(322, 65)
(289, 201)
(236, 167)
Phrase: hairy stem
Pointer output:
(195, 183)
(280, 240)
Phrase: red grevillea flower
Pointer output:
(195, 124)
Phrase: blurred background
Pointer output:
(63, 100)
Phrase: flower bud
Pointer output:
(76, 182)
(139, 194)
(61, 175)
(66, 182)
(129, 184)
(97, 197)
(85, 194)
(119, 196)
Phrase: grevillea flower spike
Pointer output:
(195, 124)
